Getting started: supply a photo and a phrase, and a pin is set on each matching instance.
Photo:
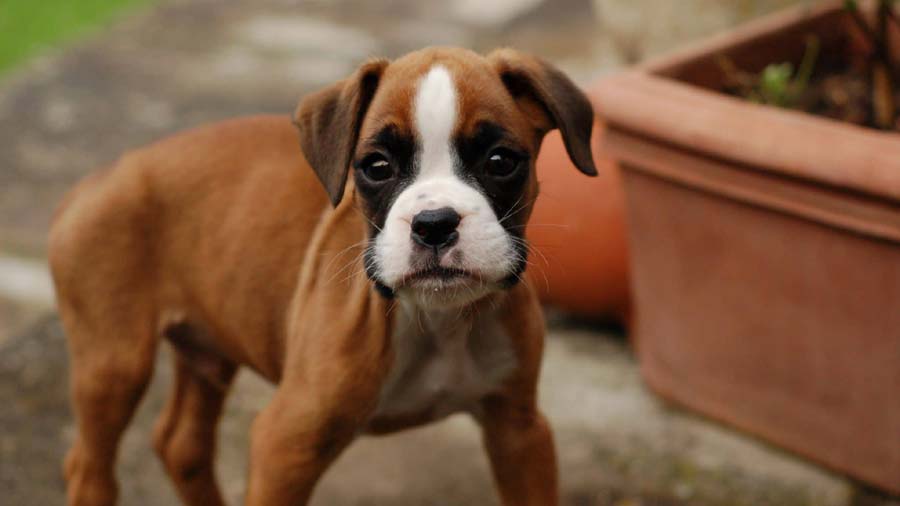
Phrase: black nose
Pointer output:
(436, 228)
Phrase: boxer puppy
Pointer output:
(391, 299)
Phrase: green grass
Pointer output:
(28, 27)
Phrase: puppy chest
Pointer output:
(444, 369)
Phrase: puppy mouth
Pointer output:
(440, 275)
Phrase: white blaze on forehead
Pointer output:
(435, 117)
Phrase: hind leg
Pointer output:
(109, 373)
(185, 435)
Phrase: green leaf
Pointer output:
(774, 83)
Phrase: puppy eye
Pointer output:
(502, 163)
(376, 167)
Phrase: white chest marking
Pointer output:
(444, 364)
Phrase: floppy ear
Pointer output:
(530, 79)
(329, 121)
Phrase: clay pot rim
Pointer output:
(746, 33)
(790, 143)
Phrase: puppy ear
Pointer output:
(542, 89)
(329, 121)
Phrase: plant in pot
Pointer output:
(762, 184)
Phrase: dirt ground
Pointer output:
(185, 62)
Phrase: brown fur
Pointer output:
(222, 241)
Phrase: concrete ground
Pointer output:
(617, 444)
(186, 62)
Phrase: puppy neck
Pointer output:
(431, 309)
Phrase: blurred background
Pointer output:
(83, 80)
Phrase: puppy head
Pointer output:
(442, 144)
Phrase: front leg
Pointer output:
(516, 435)
(337, 353)
(520, 446)
(292, 444)
(309, 422)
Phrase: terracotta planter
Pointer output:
(765, 251)
(578, 230)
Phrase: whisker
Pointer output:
(516, 211)
(352, 275)
(505, 216)
(343, 252)
(530, 225)
(363, 214)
